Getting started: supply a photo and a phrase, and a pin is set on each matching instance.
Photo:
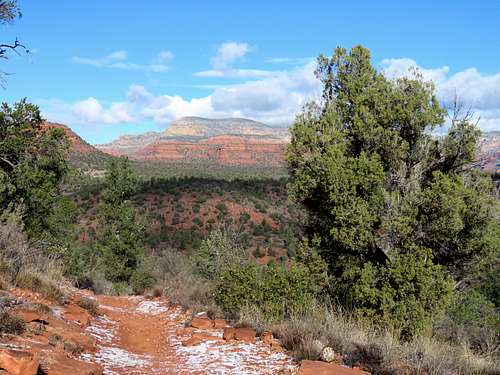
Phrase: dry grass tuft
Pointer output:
(35, 282)
(11, 324)
(364, 345)
(90, 305)
(179, 282)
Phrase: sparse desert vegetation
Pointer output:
(375, 234)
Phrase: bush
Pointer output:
(140, 281)
(472, 308)
(29, 279)
(180, 281)
(217, 251)
(404, 294)
(276, 290)
(11, 324)
(472, 320)
(90, 305)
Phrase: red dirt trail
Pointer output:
(135, 335)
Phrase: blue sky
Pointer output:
(111, 67)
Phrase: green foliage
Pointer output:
(485, 271)
(276, 290)
(377, 185)
(141, 280)
(405, 293)
(120, 233)
(471, 308)
(32, 169)
(222, 247)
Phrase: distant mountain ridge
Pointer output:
(204, 128)
(81, 154)
(248, 143)
(231, 141)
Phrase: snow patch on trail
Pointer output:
(151, 308)
(235, 358)
(113, 359)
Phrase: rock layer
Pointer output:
(196, 140)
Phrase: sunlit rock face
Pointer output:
(197, 140)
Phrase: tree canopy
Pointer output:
(382, 188)
(32, 168)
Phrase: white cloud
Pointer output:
(274, 98)
(473, 89)
(119, 60)
(91, 110)
(237, 73)
(403, 68)
(227, 54)
(163, 57)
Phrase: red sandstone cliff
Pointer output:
(196, 140)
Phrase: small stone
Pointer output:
(202, 323)
(30, 315)
(198, 338)
(220, 323)
(60, 364)
(77, 314)
(245, 334)
(328, 354)
(229, 334)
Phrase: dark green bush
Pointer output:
(217, 251)
(140, 281)
(404, 294)
(471, 308)
(277, 291)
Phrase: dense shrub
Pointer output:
(378, 186)
(178, 278)
(141, 280)
(276, 290)
(222, 247)
(405, 293)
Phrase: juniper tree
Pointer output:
(383, 192)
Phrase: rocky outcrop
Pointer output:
(81, 154)
(488, 157)
(77, 144)
(53, 341)
(204, 128)
(223, 150)
(195, 140)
